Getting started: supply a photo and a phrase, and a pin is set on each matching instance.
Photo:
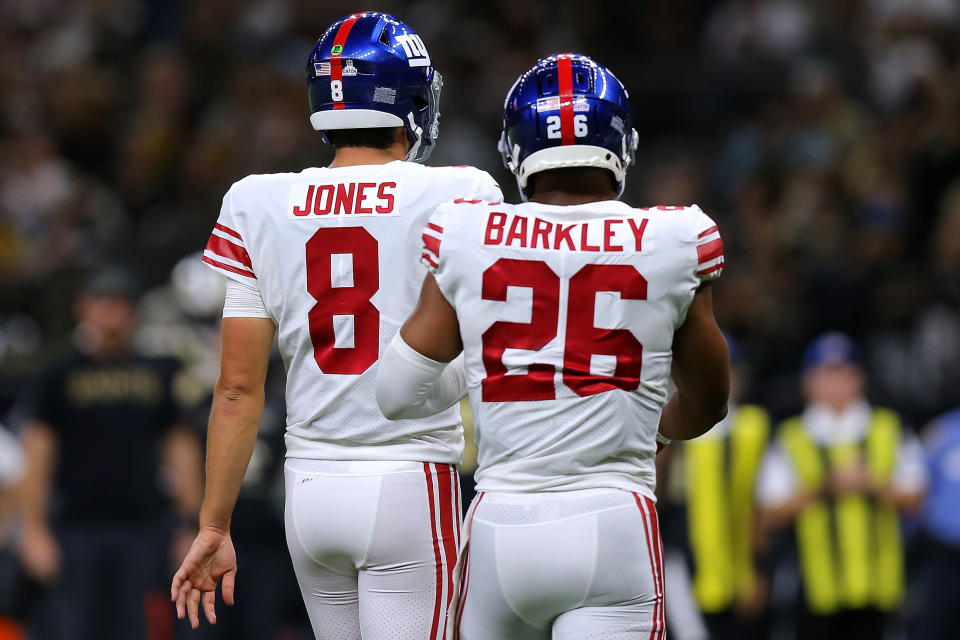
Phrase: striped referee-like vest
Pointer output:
(851, 555)
(720, 485)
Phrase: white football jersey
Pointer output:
(567, 315)
(335, 255)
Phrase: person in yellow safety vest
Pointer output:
(716, 474)
(841, 474)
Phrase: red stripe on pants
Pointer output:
(465, 579)
(437, 610)
(447, 527)
(655, 625)
(655, 520)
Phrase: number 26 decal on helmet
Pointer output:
(567, 111)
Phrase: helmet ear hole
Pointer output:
(384, 37)
(548, 83)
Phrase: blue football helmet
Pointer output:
(371, 70)
(567, 111)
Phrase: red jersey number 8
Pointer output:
(354, 300)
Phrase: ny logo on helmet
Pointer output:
(415, 49)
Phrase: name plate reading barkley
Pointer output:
(311, 201)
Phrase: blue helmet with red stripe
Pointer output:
(567, 111)
(371, 70)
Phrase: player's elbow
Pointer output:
(709, 412)
(717, 412)
(234, 388)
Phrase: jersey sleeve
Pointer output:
(243, 301)
(226, 250)
(709, 246)
(486, 188)
(431, 240)
(431, 254)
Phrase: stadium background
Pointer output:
(822, 135)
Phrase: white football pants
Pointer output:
(373, 545)
(566, 565)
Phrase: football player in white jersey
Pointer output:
(572, 310)
(327, 259)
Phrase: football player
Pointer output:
(572, 310)
(327, 259)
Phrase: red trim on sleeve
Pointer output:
(435, 227)
(704, 234)
(565, 88)
(228, 231)
(226, 249)
(710, 250)
(230, 268)
(432, 244)
(426, 256)
(709, 270)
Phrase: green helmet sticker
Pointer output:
(337, 50)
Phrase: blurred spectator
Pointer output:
(182, 318)
(11, 472)
(103, 447)
(842, 472)
(257, 529)
(940, 616)
(716, 475)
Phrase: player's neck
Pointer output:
(352, 156)
(569, 187)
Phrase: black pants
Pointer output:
(727, 625)
(107, 572)
(851, 624)
(940, 617)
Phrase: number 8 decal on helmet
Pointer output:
(371, 70)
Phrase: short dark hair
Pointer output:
(112, 281)
(376, 138)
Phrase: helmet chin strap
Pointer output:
(523, 189)
(417, 139)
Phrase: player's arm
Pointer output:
(701, 372)
(413, 377)
(39, 551)
(237, 405)
(231, 435)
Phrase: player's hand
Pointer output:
(210, 559)
(40, 553)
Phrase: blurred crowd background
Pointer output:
(822, 135)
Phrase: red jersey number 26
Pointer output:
(338, 304)
(583, 338)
